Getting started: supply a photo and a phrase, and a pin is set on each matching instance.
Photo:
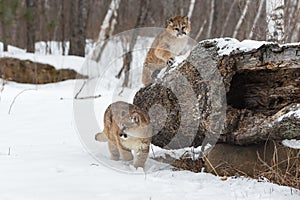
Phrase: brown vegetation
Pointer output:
(26, 71)
(271, 160)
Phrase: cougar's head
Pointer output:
(178, 26)
(136, 124)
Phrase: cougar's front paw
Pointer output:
(171, 61)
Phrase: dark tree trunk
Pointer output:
(260, 86)
(4, 36)
(127, 59)
(79, 10)
(30, 25)
(63, 35)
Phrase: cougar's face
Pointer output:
(179, 26)
(130, 122)
(134, 125)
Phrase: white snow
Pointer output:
(44, 156)
(47, 161)
(295, 113)
(294, 144)
(228, 45)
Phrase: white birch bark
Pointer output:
(275, 20)
(107, 28)
(191, 8)
(261, 3)
(113, 7)
(243, 15)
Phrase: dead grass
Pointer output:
(283, 172)
(188, 164)
(274, 162)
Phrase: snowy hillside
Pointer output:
(44, 156)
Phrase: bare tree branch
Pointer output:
(243, 15)
(87, 97)
(227, 18)
(200, 30)
(211, 18)
(261, 3)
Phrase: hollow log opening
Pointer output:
(264, 91)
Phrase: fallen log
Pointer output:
(244, 98)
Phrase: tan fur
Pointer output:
(169, 43)
(126, 128)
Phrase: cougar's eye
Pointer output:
(183, 28)
(176, 29)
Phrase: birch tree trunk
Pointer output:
(191, 9)
(211, 18)
(227, 18)
(107, 28)
(238, 25)
(112, 10)
(275, 20)
(261, 3)
(296, 25)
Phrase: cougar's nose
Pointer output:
(123, 127)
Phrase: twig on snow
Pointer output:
(15, 98)
(87, 97)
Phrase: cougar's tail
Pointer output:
(100, 137)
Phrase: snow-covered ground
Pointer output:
(41, 157)
(44, 154)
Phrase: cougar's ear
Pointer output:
(170, 21)
(186, 18)
(135, 118)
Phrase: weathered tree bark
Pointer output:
(4, 35)
(30, 25)
(79, 10)
(275, 20)
(252, 90)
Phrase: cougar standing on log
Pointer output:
(126, 128)
(169, 43)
